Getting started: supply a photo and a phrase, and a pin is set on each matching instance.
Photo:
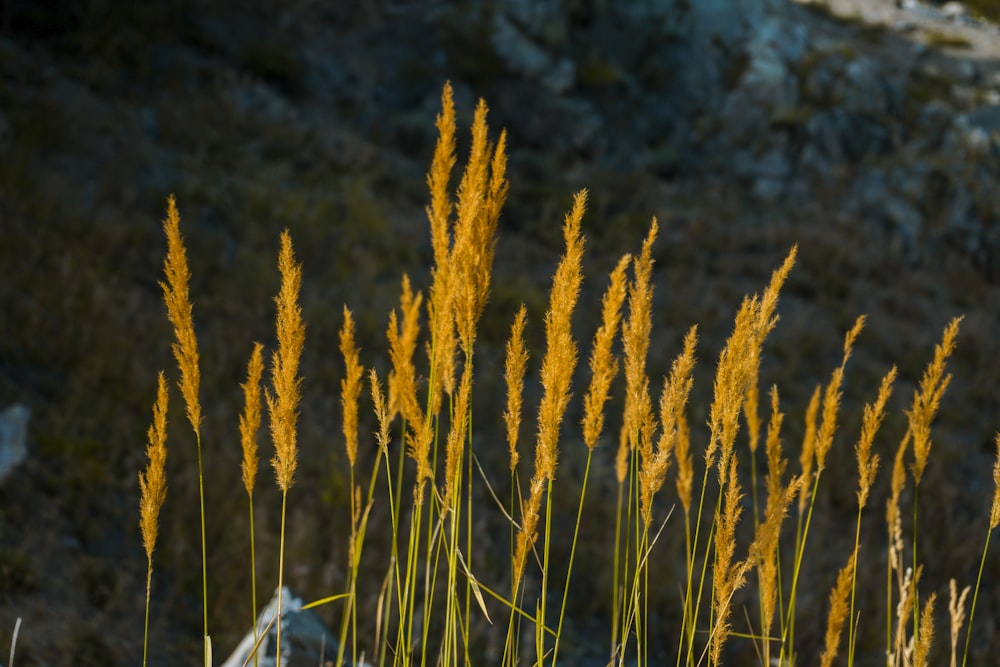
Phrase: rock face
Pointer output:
(13, 438)
(305, 639)
(790, 102)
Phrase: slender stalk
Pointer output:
(145, 631)
(572, 554)
(253, 579)
(281, 577)
(975, 597)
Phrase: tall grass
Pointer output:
(432, 596)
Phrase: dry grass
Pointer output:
(443, 586)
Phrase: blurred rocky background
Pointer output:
(866, 131)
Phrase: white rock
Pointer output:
(305, 639)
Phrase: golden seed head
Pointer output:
(807, 457)
(560, 354)
(838, 612)
(926, 636)
(250, 419)
(350, 387)
(831, 399)
(673, 400)
(603, 365)
(517, 361)
(873, 416)
(283, 404)
(635, 338)
(381, 412)
(927, 399)
(153, 481)
(175, 294)
(455, 444)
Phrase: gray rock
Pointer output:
(13, 438)
(305, 639)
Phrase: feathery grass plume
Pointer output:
(807, 456)
(556, 374)
(250, 419)
(673, 400)
(901, 650)
(480, 198)
(776, 465)
(152, 482)
(769, 531)
(381, 412)
(873, 416)
(249, 425)
(153, 491)
(283, 404)
(603, 365)
(956, 613)
(728, 577)
(685, 464)
(927, 399)
(764, 553)
(621, 457)
(821, 444)
(635, 338)
(403, 385)
(831, 399)
(455, 444)
(175, 294)
(838, 612)
(926, 634)
(750, 410)
(178, 301)
(898, 483)
(868, 463)
(439, 210)
(517, 362)
(402, 339)
(738, 362)
(441, 347)
(350, 387)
